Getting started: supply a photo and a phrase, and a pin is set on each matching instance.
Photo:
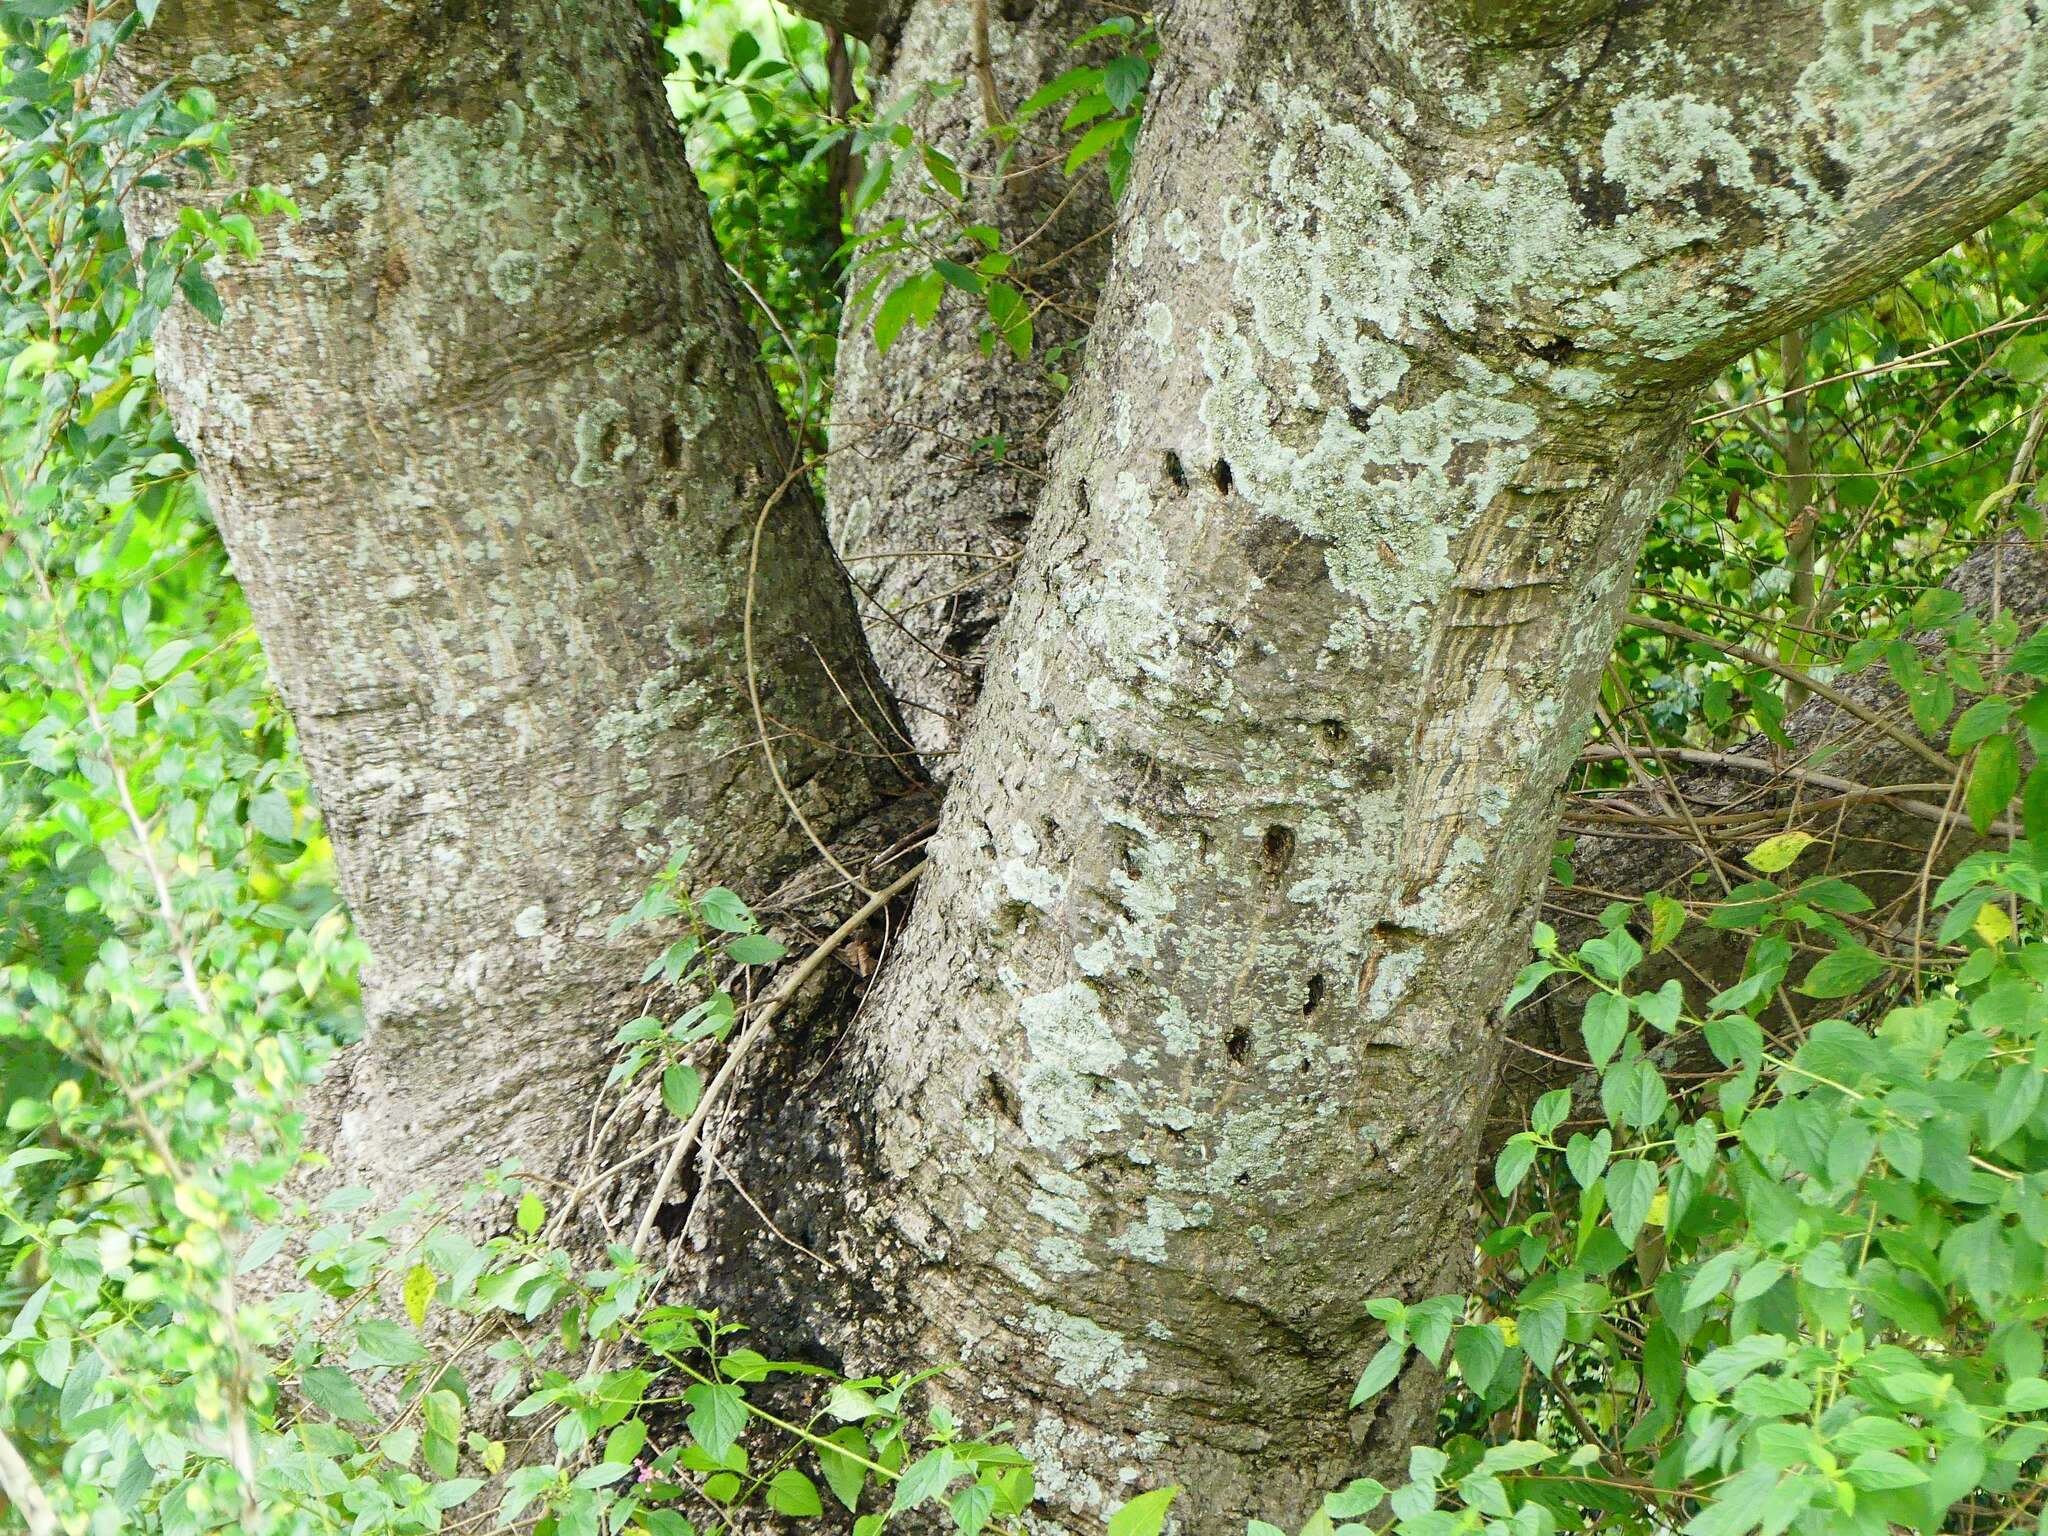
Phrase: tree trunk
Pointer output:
(928, 513)
(1187, 1046)
(487, 441)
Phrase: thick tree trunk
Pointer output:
(928, 514)
(487, 442)
(1187, 1045)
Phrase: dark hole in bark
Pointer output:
(1278, 850)
(1361, 418)
(1239, 1043)
(963, 638)
(1175, 471)
(1333, 732)
(674, 1214)
(1315, 996)
(998, 1094)
(671, 443)
(1224, 479)
(675, 507)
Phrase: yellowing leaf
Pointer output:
(1776, 853)
(1991, 923)
(417, 1292)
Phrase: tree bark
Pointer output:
(928, 515)
(1188, 1043)
(487, 442)
(1187, 1046)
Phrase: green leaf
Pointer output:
(845, 1476)
(1532, 976)
(723, 910)
(1661, 1008)
(1360, 1496)
(1606, 1026)
(682, 1087)
(1994, 777)
(754, 949)
(1379, 1371)
(1875, 1470)
(1667, 917)
(1710, 1279)
(2034, 806)
(201, 295)
(531, 1213)
(1843, 972)
(1633, 1095)
(972, 1508)
(2032, 655)
(1479, 1350)
(1986, 717)
(382, 1342)
(330, 1389)
(1540, 1330)
(417, 1292)
(718, 1412)
(1145, 1515)
(271, 814)
(1631, 1188)
(1512, 1165)
(1586, 1155)
(926, 1478)
(1095, 141)
(791, 1493)
(1123, 80)
(1059, 89)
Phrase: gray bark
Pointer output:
(487, 441)
(929, 524)
(1187, 1046)
(1188, 1043)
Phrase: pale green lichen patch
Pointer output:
(514, 276)
(448, 169)
(1655, 147)
(602, 444)
(1146, 1239)
(553, 92)
(1069, 1090)
(1084, 1353)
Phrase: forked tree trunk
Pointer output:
(1186, 1048)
